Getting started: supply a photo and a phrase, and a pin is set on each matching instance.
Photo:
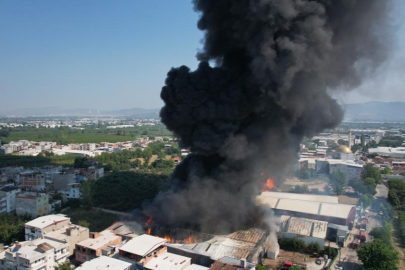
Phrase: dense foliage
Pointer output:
(291, 244)
(125, 191)
(338, 181)
(11, 228)
(64, 266)
(396, 193)
(383, 233)
(377, 255)
(95, 220)
(370, 172)
(37, 161)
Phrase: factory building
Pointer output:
(318, 207)
(308, 230)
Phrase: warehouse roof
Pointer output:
(303, 197)
(307, 207)
(303, 226)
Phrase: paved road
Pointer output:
(349, 260)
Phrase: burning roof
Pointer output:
(246, 244)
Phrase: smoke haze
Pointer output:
(266, 70)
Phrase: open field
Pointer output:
(88, 135)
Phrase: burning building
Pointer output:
(248, 245)
(266, 72)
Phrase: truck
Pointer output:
(362, 235)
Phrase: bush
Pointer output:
(314, 247)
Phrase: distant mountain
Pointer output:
(56, 111)
(375, 111)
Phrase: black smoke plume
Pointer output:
(266, 70)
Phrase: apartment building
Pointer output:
(34, 204)
(105, 263)
(92, 247)
(58, 228)
(39, 254)
(7, 199)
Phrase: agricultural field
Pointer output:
(67, 135)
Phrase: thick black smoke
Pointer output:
(274, 63)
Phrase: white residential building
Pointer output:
(58, 228)
(39, 254)
(7, 199)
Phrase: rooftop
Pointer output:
(45, 221)
(143, 245)
(303, 226)
(309, 207)
(104, 239)
(104, 263)
(168, 261)
(303, 197)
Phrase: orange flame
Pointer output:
(190, 240)
(268, 185)
(149, 231)
(167, 238)
(150, 220)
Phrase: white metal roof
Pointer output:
(303, 197)
(168, 261)
(45, 221)
(309, 207)
(303, 226)
(104, 263)
(142, 245)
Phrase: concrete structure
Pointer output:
(34, 204)
(61, 180)
(72, 192)
(105, 263)
(7, 199)
(398, 152)
(58, 228)
(167, 261)
(38, 227)
(140, 250)
(349, 168)
(93, 246)
(40, 254)
(32, 180)
(308, 230)
(229, 263)
(127, 230)
(308, 206)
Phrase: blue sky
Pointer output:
(115, 54)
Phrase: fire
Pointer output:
(149, 231)
(191, 239)
(167, 238)
(150, 220)
(268, 185)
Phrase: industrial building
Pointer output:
(318, 207)
(246, 245)
(308, 230)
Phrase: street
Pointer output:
(348, 257)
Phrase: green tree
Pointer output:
(338, 181)
(386, 170)
(314, 247)
(64, 266)
(367, 200)
(377, 255)
(260, 267)
(87, 190)
(11, 228)
(363, 140)
(370, 172)
(84, 223)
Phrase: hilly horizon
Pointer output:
(369, 111)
